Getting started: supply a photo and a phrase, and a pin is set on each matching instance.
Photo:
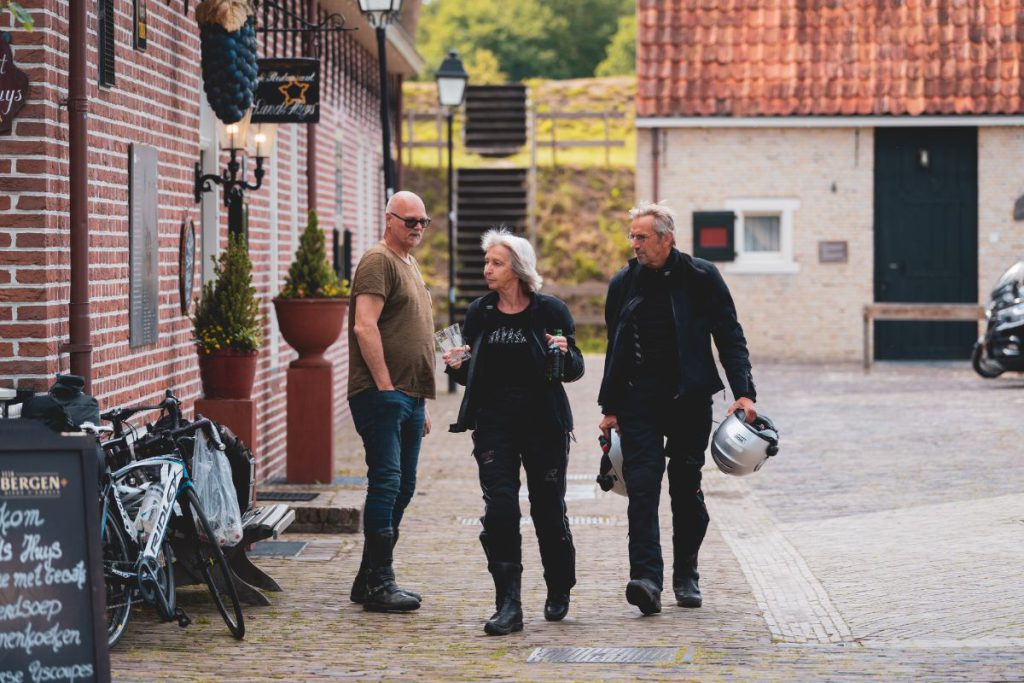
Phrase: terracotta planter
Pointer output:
(227, 373)
(310, 326)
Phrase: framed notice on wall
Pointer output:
(143, 245)
(51, 567)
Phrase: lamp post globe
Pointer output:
(451, 91)
(380, 12)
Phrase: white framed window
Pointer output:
(763, 237)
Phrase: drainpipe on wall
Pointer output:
(80, 346)
(655, 162)
(311, 16)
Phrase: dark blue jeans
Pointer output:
(654, 425)
(391, 426)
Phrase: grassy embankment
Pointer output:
(581, 202)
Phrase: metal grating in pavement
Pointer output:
(288, 496)
(278, 549)
(574, 520)
(610, 655)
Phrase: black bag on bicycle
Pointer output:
(65, 406)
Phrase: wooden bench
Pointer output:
(912, 311)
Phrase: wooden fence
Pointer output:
(551, 141)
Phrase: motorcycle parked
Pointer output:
(1001, 348)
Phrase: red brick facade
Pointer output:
(156, 102)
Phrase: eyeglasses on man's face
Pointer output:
(638, 238)
(411, 222)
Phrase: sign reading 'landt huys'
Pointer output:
(287, 91)
(13, 86)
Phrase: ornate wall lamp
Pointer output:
(234, 139)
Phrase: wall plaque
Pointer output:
(143, 257)
(832, 252)
(287, 91)
(13, 86)
(53, 625)
(186, 263)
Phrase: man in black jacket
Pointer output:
(662, 311)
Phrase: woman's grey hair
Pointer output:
(524, 260)
(664, 217)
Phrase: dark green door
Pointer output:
(926, 236)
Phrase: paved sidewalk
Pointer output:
(884, 543)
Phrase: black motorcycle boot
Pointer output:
(382, 593)
(411, 594)
(358, 592)
(684, 582)
(645, 594)
(557, 605)
(508, 578)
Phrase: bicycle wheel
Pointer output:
(118, 567)
(214, 568)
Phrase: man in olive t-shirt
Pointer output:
(391, 373)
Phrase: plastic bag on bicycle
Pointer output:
(211, 475)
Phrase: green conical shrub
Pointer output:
(311, 274)
(227, 314)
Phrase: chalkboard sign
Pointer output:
(52, 599)
(287, 91)
(13, 86)
(143, 246)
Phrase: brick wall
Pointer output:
(815, 314)
(156, 101)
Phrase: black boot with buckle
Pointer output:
(358, 592)
(507, 586)
(382, 593)
(684, 582)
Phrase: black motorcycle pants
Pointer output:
(504, 440)
(653, 426)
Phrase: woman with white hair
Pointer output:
(519, 415)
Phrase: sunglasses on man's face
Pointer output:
(411, 222)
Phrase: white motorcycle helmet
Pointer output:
(739, 448)
(610, 477)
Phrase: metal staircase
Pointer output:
(487, 198)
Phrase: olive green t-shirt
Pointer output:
(406, 324)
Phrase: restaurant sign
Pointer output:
(287, 91)
(13, 86)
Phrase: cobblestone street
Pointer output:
(884, 542)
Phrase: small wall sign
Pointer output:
(141, 25)
(832, 252)
(287, 91)
(13, 86)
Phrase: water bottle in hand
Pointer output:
(556, 360)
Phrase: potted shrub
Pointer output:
(227, 327)
(311, 307)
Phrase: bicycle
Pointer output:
(179, 529)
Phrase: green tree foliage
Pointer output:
(621, 56)
(529, 38)
(311, 274)
(485, 69)
(227, 314)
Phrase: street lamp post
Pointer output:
(451, 91)
(380, 13)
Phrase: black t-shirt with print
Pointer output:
(508, 373)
